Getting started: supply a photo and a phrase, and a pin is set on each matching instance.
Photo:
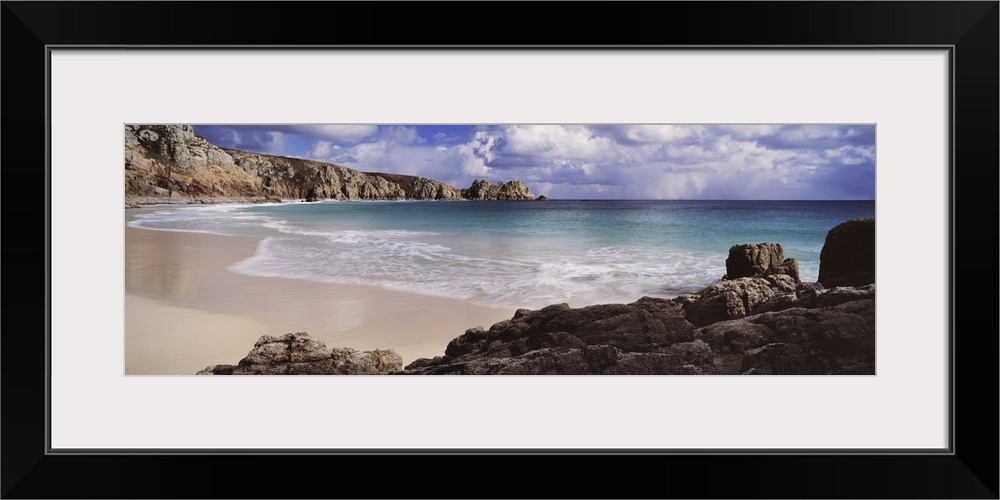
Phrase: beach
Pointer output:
(184, 310)
(204, 282)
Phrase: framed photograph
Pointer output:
(886, 108)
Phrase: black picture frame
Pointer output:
(970, 29)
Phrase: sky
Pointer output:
(705, 162)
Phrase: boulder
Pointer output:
(752, 260)
(848, 255)
(726, 300)
(297, 354)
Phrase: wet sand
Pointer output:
(185, 311)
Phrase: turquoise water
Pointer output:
(515, 254)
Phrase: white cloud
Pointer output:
(321, 149)
(813, 132)
(333, 133)
(659, 133)
(571, 142)
(270, 142)
(851, 155)
(748, 131)
(401, 135)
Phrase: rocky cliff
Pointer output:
(170, 164)
(762, 323)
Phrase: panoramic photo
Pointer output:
(482, 249)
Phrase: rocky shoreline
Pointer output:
(760, 319)
(169, 164)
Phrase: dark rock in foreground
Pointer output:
(297, 354)
(542, 198)
(752, 260)
(848, 255)
(649, 335)
(803, 333)
(838, 340)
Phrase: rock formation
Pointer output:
(732, 299)
(837, 340)
(848, 255)
(170, 164)
(761, 259)
(297, 354)
(817, 335)
(485, 190)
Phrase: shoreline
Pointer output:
(185, 311)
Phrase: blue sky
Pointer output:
(730, 162)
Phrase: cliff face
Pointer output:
(170, 164)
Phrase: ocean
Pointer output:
(515, 254)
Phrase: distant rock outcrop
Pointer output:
(542, 198)
(848, 255)
(507, 191)
(297, 354)
(170, 164)
(758, 260)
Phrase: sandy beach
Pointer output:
(184, 310)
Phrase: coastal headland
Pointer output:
(169, 164)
